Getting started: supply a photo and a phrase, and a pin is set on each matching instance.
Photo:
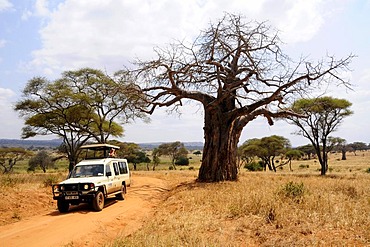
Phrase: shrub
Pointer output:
(368, 170)
(182, 161)
(254, 166)
(294, 191)
(302, 166)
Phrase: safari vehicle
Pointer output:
(99, 176)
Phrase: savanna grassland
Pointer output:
(299, 208)
(287, 208)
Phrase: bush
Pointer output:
(368, 170)
(254, 166)
(302, 166)
(182, 161)
(294, 191)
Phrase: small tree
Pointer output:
(338, 144)
(307, 150)
(42, 159)
(132, 152)
(322, 117)
(155, 158)
(357, 146)
(266, 149)
(10, 156)
(292, 154)
(174, 149)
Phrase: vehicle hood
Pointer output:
(95, 180)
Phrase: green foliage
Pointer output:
(323, 115)
(174, 149)
(10, 156)
(42, 159)
(266, 148)
(254, 166)
(182, 161)
(294, 191)
(302, 166)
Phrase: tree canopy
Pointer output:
(175, 150)
(266, 148)
(81, 105)
(237, 71)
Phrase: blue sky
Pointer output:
(45, 38)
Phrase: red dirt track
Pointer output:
(83, 227)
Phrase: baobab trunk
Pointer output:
(219, 162)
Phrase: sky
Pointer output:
(45, 38)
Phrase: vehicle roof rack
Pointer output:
(108, 150)
(100, 146)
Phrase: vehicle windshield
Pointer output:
(88, 171)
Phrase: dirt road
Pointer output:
(83, 227)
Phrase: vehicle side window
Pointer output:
(116, 171)
(120, 165)
(107, 169)
(125, 171)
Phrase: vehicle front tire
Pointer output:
(98, 201)
(63, 206)
(121, 195)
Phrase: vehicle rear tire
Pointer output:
(98, 201)
(63, 206)
(121, 195)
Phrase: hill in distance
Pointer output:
(54, 143)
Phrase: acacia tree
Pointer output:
(323, 116)
(42, 159)
(10, 156)
(339, 144)
(81, 105)
(174, 149)
(237, 71)
(266, 148)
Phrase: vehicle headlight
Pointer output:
(86, 187)
(62, 188)
(56, 188)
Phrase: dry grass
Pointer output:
(263, 209)
(298, 208)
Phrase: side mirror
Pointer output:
(109, 174)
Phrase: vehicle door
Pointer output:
(117, 181)
(123, 168)
(109, 172)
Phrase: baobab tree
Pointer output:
(237, 71)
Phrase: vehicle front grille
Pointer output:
(72, 187)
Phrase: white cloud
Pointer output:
(111, 33)
(5, 5)
(10, 123)
(40, 9)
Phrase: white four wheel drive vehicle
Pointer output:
(95, 178)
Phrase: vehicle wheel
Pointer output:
(98, 201)
(63, 206)
(121, 196)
